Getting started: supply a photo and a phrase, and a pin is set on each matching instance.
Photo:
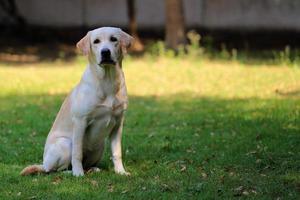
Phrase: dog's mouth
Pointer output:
(107, 62)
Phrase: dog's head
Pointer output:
(105, 46)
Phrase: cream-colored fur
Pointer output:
(92, 111)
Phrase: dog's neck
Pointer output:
(104, 76)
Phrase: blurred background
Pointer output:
(256, 28)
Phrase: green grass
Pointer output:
(195, 129)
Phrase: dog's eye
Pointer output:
(96, 41)
(113, 39)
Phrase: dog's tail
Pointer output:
(32, 169)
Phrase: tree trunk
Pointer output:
(175, 34)
(137, 44)
(11, 9)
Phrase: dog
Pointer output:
(92, 111)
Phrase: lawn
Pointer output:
(195, 129)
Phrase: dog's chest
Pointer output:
(109, 106)
(104, 117)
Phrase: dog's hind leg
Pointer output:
(92, 158)
(58, 155)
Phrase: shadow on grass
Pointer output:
(37, 44)
(292, 93)
(28, 54)
(248, 142)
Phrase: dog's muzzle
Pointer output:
(106, 57)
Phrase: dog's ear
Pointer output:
(84, 44)
(126, 41)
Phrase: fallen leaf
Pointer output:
(239, 189)
(190, 150)
(33, 134)
(263, 175)
(94, 183)
(124, 191)
(56, 180)
(196, 135)
(251, 152)
(110, 188)
(253, 191)
(204, 175)
(258, 161)
(92, 170)
(166, 188)
(183, 168)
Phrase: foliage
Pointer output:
(199, 47)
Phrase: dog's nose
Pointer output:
(105, 53)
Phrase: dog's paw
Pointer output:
(92, 170)
(126, 173)
(122, 172)
(77, 172)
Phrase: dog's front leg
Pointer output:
(79, 126)
(116, 148)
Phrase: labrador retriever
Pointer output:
(93, 110)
